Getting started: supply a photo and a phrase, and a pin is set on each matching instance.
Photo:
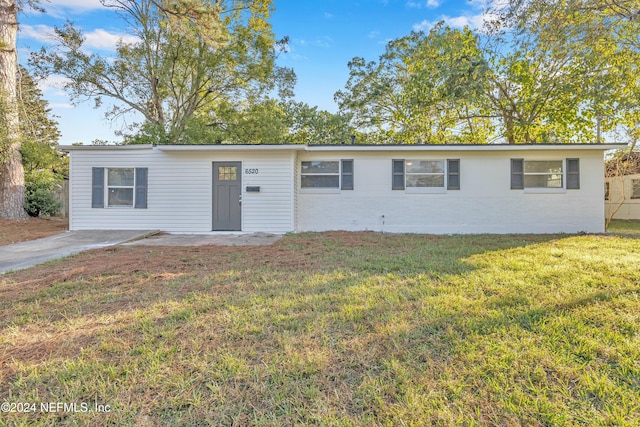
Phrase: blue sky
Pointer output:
(324, 36)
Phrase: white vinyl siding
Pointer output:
(271, 209)
(179, 190)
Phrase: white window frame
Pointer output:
(340, 174)
(407, 174)
(547, 173)
(562, 173)
(108, 187)
(425, 190)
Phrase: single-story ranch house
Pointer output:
(291, 188)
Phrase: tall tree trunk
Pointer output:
(509, 129)
(11, 170)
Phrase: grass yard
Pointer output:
(624, 226)
(331, 329)
(30, 229)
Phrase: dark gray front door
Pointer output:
(227, 188)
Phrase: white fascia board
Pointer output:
(232, 147)
(467, 147)
(345, 147)
(131, 147)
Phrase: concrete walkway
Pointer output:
(27, 254)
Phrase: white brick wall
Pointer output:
(485, 202)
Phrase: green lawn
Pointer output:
(624, 226)
(332, 329)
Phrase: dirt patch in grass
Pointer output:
(122, 264)
(30, 229)
(331, 329)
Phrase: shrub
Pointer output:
(41, 201)
(40, 195)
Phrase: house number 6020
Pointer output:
(251, 171)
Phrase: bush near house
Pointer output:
(41, 199)
(329, 329)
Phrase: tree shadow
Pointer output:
(362, 301)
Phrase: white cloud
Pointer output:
(41, 33)
(61, 8)
(425, 25)
(104, 40)
(97, 39)
(432, 4)
(478, 4)
(475, 22)
(53, 85)
(78, 4)
(478, 14)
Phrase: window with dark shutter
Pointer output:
(573, 174)
(97, 188)
(517, 174)
(398, 175)
(453, 174)
(320, 174)
(141, 188)
(125, 187)
(347, 175)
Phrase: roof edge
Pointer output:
(67, 148)
(229, 147)
(466, 147)
(345, 147)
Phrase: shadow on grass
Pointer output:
(355, 321)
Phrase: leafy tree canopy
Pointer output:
(193, 59)
(40, 134)
(542, 71)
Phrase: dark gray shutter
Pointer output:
(517, 174)
(573, 174)
(397, 182)
(97, 188)
(141, 188)
(453, 174)
(347, 175)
